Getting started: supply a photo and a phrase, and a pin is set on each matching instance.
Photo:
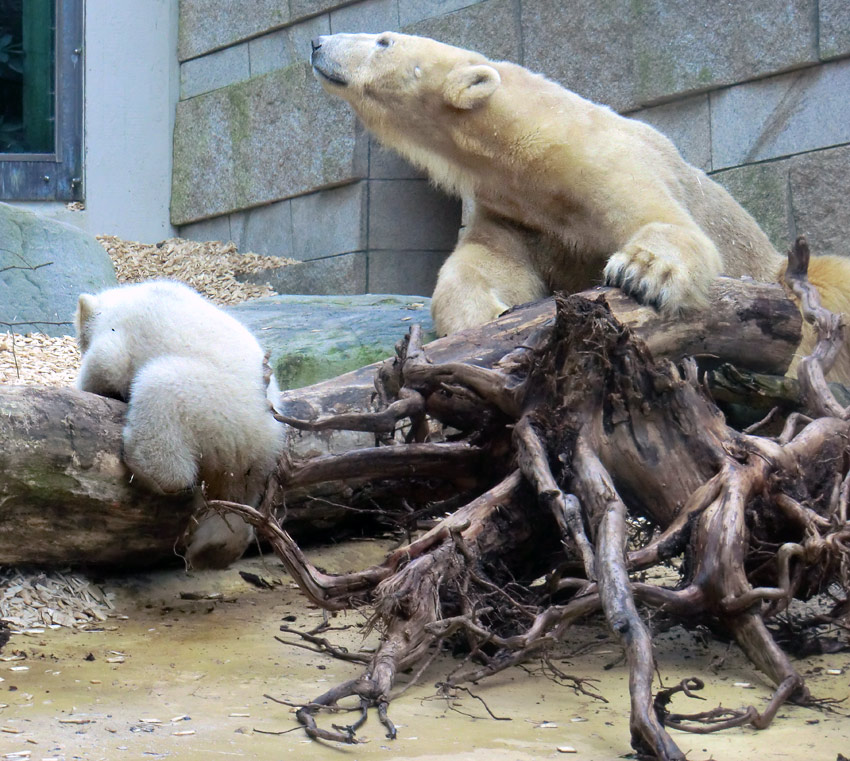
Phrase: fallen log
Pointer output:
(67, 499)
(748, 324)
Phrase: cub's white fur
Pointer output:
(198, 408)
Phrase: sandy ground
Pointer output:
(170, 677)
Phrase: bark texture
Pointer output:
(66, 497)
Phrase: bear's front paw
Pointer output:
(661, 283)
(660, 275)
(665, 266)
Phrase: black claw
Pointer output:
(614, 281)
(640, 292)
(629, 286)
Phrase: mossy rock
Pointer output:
(313, 338)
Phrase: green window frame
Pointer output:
(41, 157)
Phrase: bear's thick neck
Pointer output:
(468, 152)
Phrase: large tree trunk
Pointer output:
(66, 497)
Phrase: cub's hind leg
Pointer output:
(159, 445)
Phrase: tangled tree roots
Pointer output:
(580, 432)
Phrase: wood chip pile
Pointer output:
(209, 267)
(33, 599)
(38, 359)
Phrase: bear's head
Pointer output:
(402, 83)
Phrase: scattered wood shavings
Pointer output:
(32, 599)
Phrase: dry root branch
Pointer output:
(571, 443)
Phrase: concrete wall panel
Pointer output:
(259, 141)
(207, 25)
(834, 28)
(781, 116)
(491, 27)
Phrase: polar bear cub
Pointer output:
(198, 405)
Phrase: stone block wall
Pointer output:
(757, 94)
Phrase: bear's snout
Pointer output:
(315, 54)
(326, 68)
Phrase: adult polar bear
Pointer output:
(566, 192)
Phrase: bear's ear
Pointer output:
(86, 307)
(470, 85)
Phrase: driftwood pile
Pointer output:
(582, 435)
(574, 441)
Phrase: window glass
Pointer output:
(27, 78)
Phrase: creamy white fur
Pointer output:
(198, 410)
(568, 194)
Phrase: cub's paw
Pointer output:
(665, 267)
(156, 466)
(217, 541)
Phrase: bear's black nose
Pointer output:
(316, 43)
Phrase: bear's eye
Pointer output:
(384, 42)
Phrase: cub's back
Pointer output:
(165, 318)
